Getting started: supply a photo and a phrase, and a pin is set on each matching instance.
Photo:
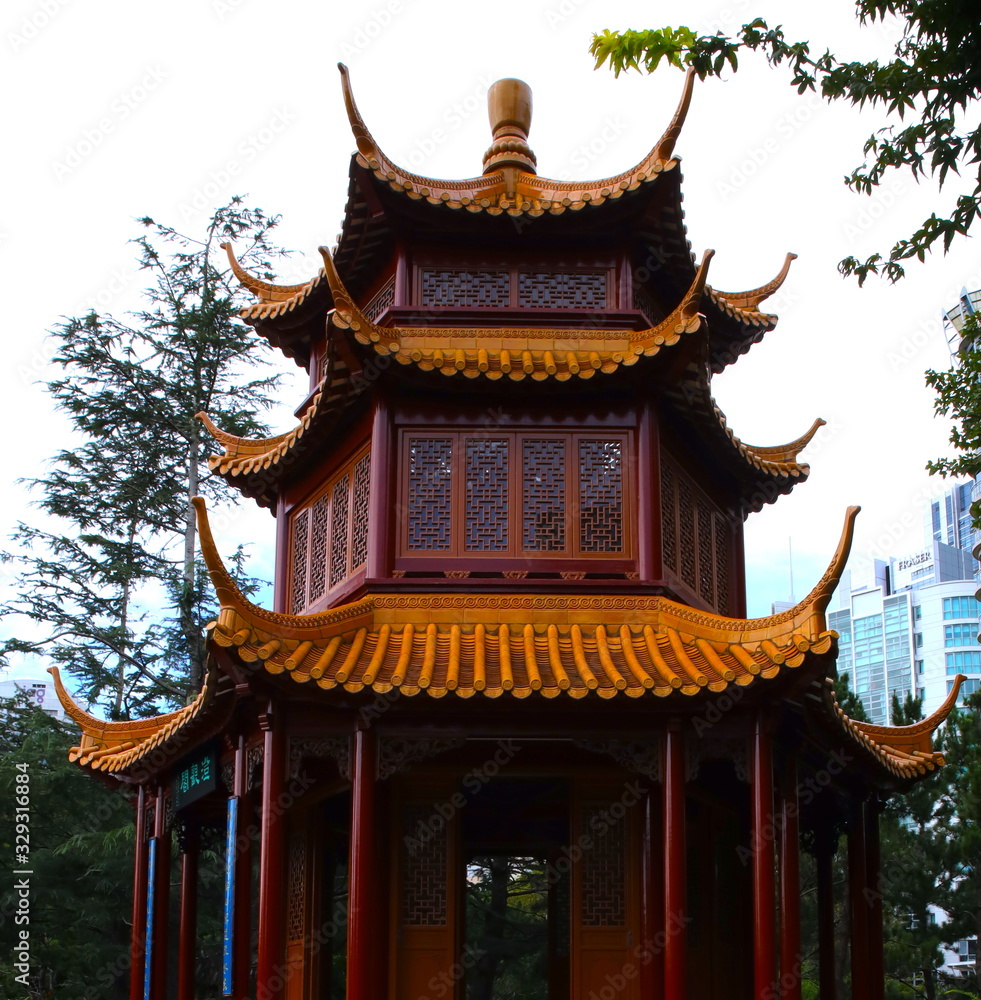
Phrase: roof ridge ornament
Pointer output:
(509, 108)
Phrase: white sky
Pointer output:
(117, 110)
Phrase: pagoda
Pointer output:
(510, 624)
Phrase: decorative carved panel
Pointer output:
(253, 766)
(486, 526)
(359, 514)
(338, 748)
(600, 496)
(543, 495)
(640, 756)
(466, 289)
(329, 536)
(718, 748)
(562, 289)
(696, 537)
(512, 494)
(429, 516)
(396, 754)
(320, 518)
(296, 884)
(604, 902)
(384, 299)
(339, 535)
(298, 563)
(425, 854)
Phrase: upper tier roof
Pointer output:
(387, 204)
(467, 646)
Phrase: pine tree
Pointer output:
(115, 589)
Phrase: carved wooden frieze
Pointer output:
(337, 748)
(395, 754)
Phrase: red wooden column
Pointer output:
(161, 898)
(824, 851)
(873, 872)
(363, 918)
(137, 950)
(858, 904)
(790, 953)
(764, 860)
(240, 871)
(271, 971)
(675, 900)
(187, 934)
(652, 890)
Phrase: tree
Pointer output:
(928, 85)
(117, 586)
(959, 397)
(80, 853)
(959, 815)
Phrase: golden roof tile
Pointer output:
(513, 190)
(905, 751)
(575, 646)
(493, 352)
(113, 746)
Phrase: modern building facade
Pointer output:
(39, 689)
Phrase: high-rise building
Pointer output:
(914, 626)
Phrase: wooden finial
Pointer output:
(509, 110)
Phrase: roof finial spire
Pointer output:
(509, 110)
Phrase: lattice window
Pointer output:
(383, 300)
(515, 494)
(669, 529)
(326, 548)
(296, 881)
(359, 513)
(487, 495)
(686, 532)
(425, 856)
(298, 563)
(722, 550)
(562, 289)
(320, 516)
(339, 536)
(429, 515)
(604, 869)
(466, 289)
(544, 502)
(696, 537)
(600, 496)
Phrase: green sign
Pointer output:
(196, 777)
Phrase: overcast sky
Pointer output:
(116, 110)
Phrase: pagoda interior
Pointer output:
(507, 730)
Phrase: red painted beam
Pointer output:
(136, 953)
(675, 898)
(271, 970)
(764, 859)
(362, 926)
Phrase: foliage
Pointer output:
(116, 584)
(507, 908)
(849, 701)
(959, 397)
(81, 847)
(928, 86)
